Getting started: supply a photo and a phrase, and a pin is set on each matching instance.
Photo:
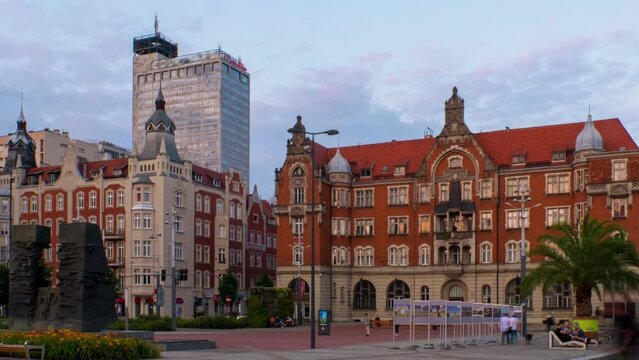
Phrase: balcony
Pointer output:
(114, 233)
(118, 261)
(453, 235)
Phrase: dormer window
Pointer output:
(385, 168)
(216, 182)
(455, 162)
(558, 156)
(95, 173)
(53, 177)
(365, 172)
(519, 159)
(117, 172)
(400, 170)
(197, 177)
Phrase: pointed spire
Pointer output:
(156, 24)
(159, 101)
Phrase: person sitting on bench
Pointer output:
(564, 333)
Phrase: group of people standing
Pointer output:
(508, 326)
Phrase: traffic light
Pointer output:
(163, 275)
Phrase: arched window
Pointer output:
(364, 295)
(334, 255)
(396, 290)
(424, 255)
(466, 255)
(425, 293)
(511, 252)
(454, 255)
(298, 255)
(485, 294)
(343, 259)
(298, 171)
(456, 293)
(364, 256)
(558, 296)
(513, 296)
(231, 211)
(206, 281)
(219, 207)
(442, 255)
(222, 231)
(398, 255)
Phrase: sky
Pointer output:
(375, 70)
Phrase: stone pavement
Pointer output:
(347, 341)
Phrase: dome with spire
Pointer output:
(338, 164)
(160, 136)
(21, 135)
(589, 138)
(160, 121)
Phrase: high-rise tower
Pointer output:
(207, 94)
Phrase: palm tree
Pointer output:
(592, 254)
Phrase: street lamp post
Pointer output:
(172, 215)
(10, 219)
(297, 248)
(312, 290)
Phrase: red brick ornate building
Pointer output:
(434, 218)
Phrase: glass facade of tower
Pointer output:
(207, 95)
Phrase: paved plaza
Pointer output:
(348, 341)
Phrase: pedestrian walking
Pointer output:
(367, 324)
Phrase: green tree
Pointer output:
(228, 286)
(112, 281)
(592, 254)
(264, 281)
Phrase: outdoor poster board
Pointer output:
(401, 309)
(488, 313)
(496, 312)
(505, 309)
(421, 312)
(517, 311)
(467, 312)
(453, 312)
(437, 312)
(478, 313)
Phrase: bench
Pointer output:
(382, 323)
(26, 349)
(572, 344)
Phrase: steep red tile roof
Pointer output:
(267, 209)
(208, 176)
(107, 166)
(539, 142)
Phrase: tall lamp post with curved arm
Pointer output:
(330, 132)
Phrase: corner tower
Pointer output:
(21, 148)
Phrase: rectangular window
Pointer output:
(298, 195)
(424, 193)
(137, 248)
(146, 221)
(486, 220)
(398, 225)
(558, 156)
(198, 253)
(398, 195)
(206, 228)
(178, 251)
(467, 191)
(580, 211)
(399, 170)
(137, 221)
(519, 159)
(120, 198)
(364, 227)
(557, 183)
(48, 203)
(198, 227)
(619, 207)
(206, 254)
(298, 225)
(109, 199)
(221, 255)
(80, 200)
(364, 198)
(341, 226)
(443, 192)
(619, 172)
(365, 172)
(581, 179)
(486, 188)
(146, 248)
(513, 218)
(93, 200)
(341, 197)
(34, 204)
(178, 224)
(514, 184)
(178, 199)
(424, 224)
(60, 201)
(557, 215)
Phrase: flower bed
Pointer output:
(73, 345)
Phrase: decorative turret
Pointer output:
(160, 133)
(338, 169)
(589, 138)
(21, 147)
(454, 124)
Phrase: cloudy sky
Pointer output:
(375, 70)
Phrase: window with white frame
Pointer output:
(364, 227)
(341, 226)
(93, 200)
(443, 192)
(137, 221)
(60, 202)
(238, 234)
(398, 225)
(137, 277)
(251, 239)
(298, 195)
(146, 221)
(298, 225)
(424, 193)
(581, 209)
(559, 155)
(467, 190)
(206, 254)
(219, 207)
(519, 159)
(398, 255)
(48, 203)
(364, 256)
(619, 170)
(146, 248)
(424, 255)
(146, 276)
(400, 170)
(486, 220)
(198, 278)
(34, 204)
(513, 219)
(80, 200)
(108, 253)
(514, 184)
(397, 195)
(178, 199)
(120, 224)
(146, 195)
(486, 253)
(238, 258)
(198, 202)
(231, 233)
(486, 188)
(619, 207)
(581, 179)
(109, 198)
(231, 211)
(207, 204)
(424, 223)
(239, 211)
(110, 224)
(178, 251)
(206, 280)
(558, 183)
(454, 162)
(341, 197)
(206, 228)
(24, 204)
(363, 197)
(178, 223)
(222, 231)
(513, 253)
(120, 198)
(137, 248)
(557, 215)
(198, 253)
(93, 219)
(298, 255)
(198, 227)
